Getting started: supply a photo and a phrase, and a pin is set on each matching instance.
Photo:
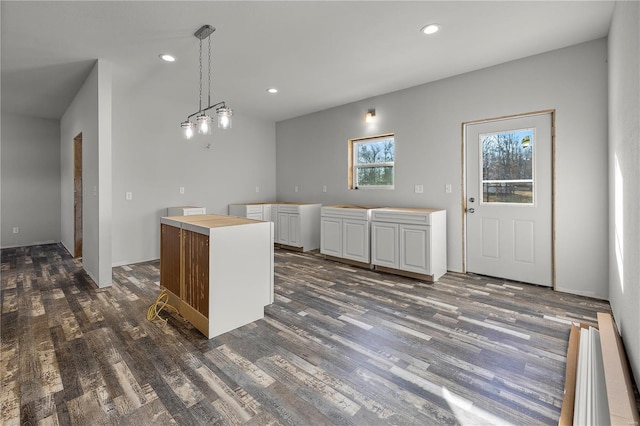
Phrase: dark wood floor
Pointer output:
(340, 345)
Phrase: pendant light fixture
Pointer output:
(202, 123)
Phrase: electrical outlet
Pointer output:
(295, 188)
(128, 196)
(182, 190)
(418, 189)
(257, 189)
(324, 188)
(447, 188)
(16, 230)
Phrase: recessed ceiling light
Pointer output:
(272, 90)
(166, 57)
(430, 29)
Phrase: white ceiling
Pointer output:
(319, 54)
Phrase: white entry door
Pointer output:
(509, 198)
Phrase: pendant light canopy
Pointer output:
(202, 122)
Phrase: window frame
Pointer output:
(353, 166)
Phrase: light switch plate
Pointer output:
(418, 189)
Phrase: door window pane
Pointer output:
(507, 167)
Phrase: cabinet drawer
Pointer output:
(416, 217)
(284, 208)
(346, 212)
(254, 208)
(186, 211)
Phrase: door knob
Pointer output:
(471, 210)
(471, 200)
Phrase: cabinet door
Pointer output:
(170, 246)
(294, 230)
(266, 212)
(414, 248)
(196, 271)
(384, 244)
(355, 240)
(331, 236)
(283, 228)
(274, 219)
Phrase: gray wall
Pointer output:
(152, 161)
(124, 153)
(89, 114)
(312, 150)
(624, 176)
(30, 174)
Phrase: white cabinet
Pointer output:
(410, 242)
(257, 211)
(344, 232)
(298, 225)
(415, 248)
(266, 213)
(385, 243)
(289, 229)
(331, 236)
(186, 211)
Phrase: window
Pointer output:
(371, 162)
(507, 167)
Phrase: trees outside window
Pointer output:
(507, 167)
(372, 162)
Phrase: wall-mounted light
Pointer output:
(370, 117)
(202, 120)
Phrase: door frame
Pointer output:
(464, 126)
(78, 190)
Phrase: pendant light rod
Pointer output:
(202, 120)
(220, 104)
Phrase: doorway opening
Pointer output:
(77, 196)
(509, 197)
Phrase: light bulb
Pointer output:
(370, 117)
(224, 117)
(188, 127)
(203, 124)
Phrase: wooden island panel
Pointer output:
(170, 253)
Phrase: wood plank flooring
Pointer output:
(340, 345)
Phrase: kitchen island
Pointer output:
(217, 270)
